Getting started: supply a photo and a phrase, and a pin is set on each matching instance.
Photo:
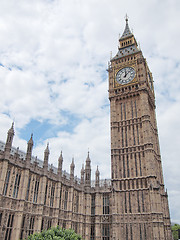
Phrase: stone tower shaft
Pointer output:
(136, 169)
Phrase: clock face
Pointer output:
(125, 75)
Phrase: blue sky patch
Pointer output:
(45, 130)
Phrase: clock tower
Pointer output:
(139, 202)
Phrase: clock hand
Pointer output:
(125, 73)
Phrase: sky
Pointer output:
(54, 83)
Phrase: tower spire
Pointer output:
(72, 166)
(97, 177)
(127, 32)
(9, 140)
(88, 171)
(46, 157)
(29, 149)
(126, 17)
(60, 162)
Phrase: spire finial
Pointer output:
(47, 148)
(31, 139)
(126, 17)
(97, 170)
(61, 157)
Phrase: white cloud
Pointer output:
(55, 55)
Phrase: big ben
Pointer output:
(139, 202)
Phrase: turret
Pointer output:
(29, 149)
(97, 178)
(127, 45)
(46, 157)
(60, 162)
(82, 174)
(127, 38)
(9, 140)
(72, 166)
(88, 172)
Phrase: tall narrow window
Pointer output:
(105, 232)
(132, 109)
(6, 182)
(22, 227)
(145, 234)
(140, 169)
(137, 134)
(31, 225)
(36, 189)
(124, 168)
(135, 108)
(105, 204)
(42, 224)
(120, 185)
(127, 166)
(128, 184)
(133, 184)
(142, 201)
(9, 227)
(0, 218)
(134, 135)
(92, 232)
(60, 197)
(126, 232)
(131, 231)
(136, 164)
(52, 195)
(65, 199)
(28, 188)
(77, 202)
(122, 136)
(137, 183)
(121, 112)
(126, 136)
(138, 201)
(124, 111)
(124, 185)
(146, 183)
(16, 185)
(125, 202)
(140, 231)
(93, 204)
(45, 196)
(130, 203)
(49, 223)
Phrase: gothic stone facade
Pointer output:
(133, 205)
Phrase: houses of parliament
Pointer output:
(132, 205)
